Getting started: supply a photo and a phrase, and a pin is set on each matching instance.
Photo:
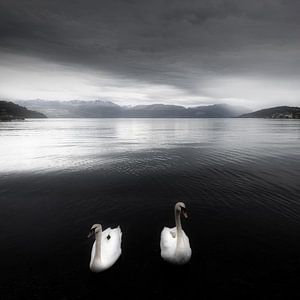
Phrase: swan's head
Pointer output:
(94, 229)
(180, 208)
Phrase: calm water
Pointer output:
(239, 179)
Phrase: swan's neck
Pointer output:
(98, 236)
(178, 226)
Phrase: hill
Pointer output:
(11, 111)
(279, 112)
(107, 109)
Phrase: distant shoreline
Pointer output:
(102, 109)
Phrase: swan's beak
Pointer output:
(90, 234)
(184, 213)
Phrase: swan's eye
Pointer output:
(108, 237)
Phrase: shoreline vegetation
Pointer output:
(10, 111)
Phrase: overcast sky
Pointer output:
(141, 52)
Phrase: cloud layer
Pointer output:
(182, 52)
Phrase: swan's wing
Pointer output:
(168, 241)
(112, 235)
(185, 244)
(183, 251)
(111, 244)
(105, 233)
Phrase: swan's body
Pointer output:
(174, 243)
(106, 248)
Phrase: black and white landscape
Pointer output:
(113, 111)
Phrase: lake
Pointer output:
(239, 179)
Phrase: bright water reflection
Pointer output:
(68, 144)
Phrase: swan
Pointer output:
(106, 248)
(174, 243)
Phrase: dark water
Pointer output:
(239, 179)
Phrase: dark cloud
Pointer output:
(179, 43)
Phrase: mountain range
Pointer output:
(107, 109)
(11, 111)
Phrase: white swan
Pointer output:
(174, 243)
(106, 248)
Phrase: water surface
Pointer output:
(239, 179)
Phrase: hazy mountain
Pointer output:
(155, 111)
(217, 111)
(106, 109)
(279, 112)
(11, 111)
(74, 108)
